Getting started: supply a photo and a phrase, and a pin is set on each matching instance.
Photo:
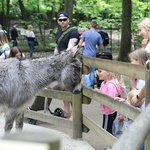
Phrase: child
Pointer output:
(110, 87)
(4, 46)
(119, 121)
(138, 57)
(16, 52)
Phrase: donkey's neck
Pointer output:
(48, 70)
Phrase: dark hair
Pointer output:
(16, 52)
(94, 24)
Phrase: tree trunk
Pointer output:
(2, 13)
(126, 30)
(23, 10)
(69, 8)
(7, 16)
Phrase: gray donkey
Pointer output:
(20, 80)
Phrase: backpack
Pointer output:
(105, 37)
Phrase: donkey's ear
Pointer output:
(76, 50)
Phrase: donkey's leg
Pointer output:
(19, 121)
(9, 119)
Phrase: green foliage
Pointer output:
(41, 13)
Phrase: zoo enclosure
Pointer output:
(83, 123)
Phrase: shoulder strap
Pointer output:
(64, 33)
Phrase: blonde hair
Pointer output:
(144, 22)
(140, 55)
(30, 27)
(3, 38)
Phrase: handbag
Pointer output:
(36, 43)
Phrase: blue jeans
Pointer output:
(142, 148)
(92, 76)
(31, 45)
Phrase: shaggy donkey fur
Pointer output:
(20, 80)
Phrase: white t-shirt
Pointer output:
(30, 34)
(139, 86)
(147, 48)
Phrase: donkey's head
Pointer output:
(77, 52)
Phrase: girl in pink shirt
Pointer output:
(111, 87)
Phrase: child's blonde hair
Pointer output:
(30, 27)
(140, 55)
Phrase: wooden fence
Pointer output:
(139, 131)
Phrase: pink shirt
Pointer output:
(112, 89)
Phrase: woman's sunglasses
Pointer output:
(60, 20)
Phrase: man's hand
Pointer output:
(56, 52)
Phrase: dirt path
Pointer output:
(66, 142)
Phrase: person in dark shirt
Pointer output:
(14, 35)
(71, 36)
(66, 38)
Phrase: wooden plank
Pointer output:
(31, 140)
(49, 118)
(121, 107)
(60, 95)
(86, 100)
(99, 131)
(127, 69)
(20, 145)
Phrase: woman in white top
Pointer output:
(30, 37)
(4, 46)
(144, 31)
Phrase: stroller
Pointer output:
(43, 103)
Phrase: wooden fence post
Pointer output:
(77, 115)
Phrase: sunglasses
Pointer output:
(60, 20)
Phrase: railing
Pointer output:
(82, 123)
(30, 140)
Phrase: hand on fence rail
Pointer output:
(120, 99)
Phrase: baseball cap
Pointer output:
(62, 14)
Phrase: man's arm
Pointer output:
(80, 43)
(72, 43)
(56, 50)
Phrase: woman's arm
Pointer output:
(138, 99)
